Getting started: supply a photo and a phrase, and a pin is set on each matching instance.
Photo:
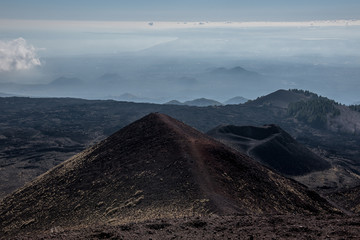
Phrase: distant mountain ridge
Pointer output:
(7, 95)
(236, 100)
(280, 98)
(239, 71)
(174, 102)
(204, 102)
(128, 97)
(199, 102)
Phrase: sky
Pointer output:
(185, 10)
(42, 40)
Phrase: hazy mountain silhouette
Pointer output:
(202, 102)
(7, 95)
(236, 100)
(174, 102)
(128, 97)
(66, 82)
(236, 71)
(155, 167)
(271, 146)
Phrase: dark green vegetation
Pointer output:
(315, 111)
(280, 99)
(304, 92)
(355, 108)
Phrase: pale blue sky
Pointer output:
(186, 10)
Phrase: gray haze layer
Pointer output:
(217, 63)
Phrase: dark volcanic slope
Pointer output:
(348, 198)
(271, 146)
(37, 134)
(154, 168)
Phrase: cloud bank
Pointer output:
(16, 55)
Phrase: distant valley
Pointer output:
(130, 84)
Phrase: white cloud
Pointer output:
(17, 54)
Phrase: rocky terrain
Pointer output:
(38, 134)
(157, 167)
(236, 100)
(216, 227)
(271, 146)
(347, 198)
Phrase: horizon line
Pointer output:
(21, 23)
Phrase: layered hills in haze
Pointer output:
(235, 71)
(236, 100)
(155, 167)
(204, 102)
(200, 102)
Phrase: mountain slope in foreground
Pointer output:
(157, 167)
(271, 146)
(348, 198)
